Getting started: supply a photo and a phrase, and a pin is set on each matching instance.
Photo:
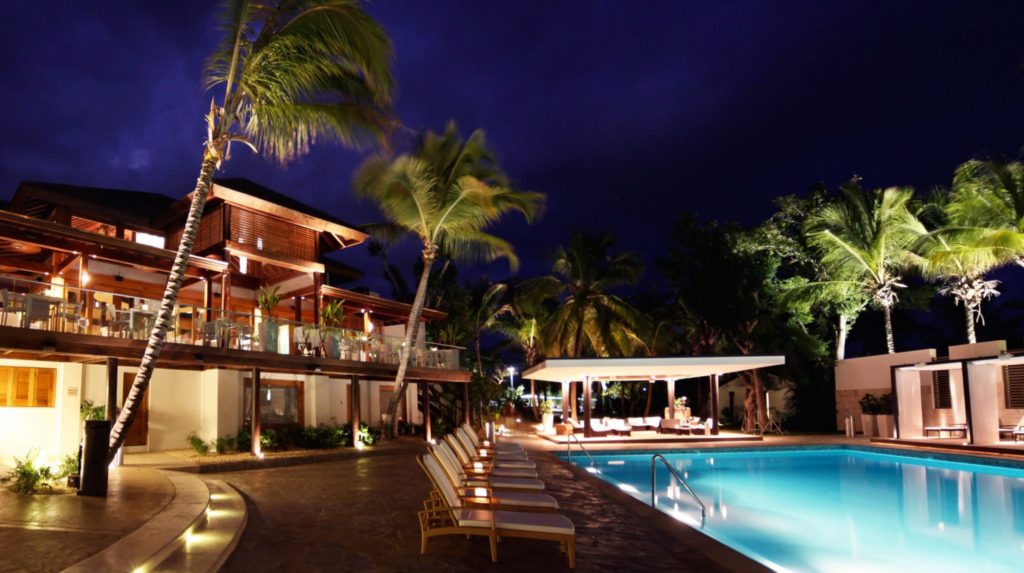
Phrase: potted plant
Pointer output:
(332, 314)
(678, 409)
(267, 299)
(547, 416)
(883, 419)
(868, 411)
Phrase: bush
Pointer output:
(244, 440)
(270, 440)
(869, 404)
(88, 411)
(68, 466)
(886, 404)
(367, 435)
(197, 444)
(29, 478)
(225, 445)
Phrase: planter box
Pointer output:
(884, 425)
(547, 422)
(867, 423)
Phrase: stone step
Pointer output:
(208, 544)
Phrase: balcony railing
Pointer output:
(60, 308)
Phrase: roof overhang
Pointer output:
(663, 368)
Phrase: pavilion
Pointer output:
(587, 370)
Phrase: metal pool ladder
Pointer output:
(679, 478)
(568, 448)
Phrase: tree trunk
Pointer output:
(164, 318)
(650, 394)
(889, 343)
(411, 331)
(479, 359)
(572, 401)
(971, 337)
(533, 400)
(749, 405)
(844, 331)
(762, 413)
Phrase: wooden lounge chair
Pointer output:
(500, 447)
(502, 459)
(500, 466)
(492, 498)
(482, 473)
(960, 428)
(619, 427)
(453, 466)
(448, 516)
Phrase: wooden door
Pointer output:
(138, 433)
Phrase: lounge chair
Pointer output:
(507, 460)
(499, 446)
(478, 465)
(449, 516)
(638, 424)
(452, 464)
(599, 430)
(669, 425)
(473, 442)
(960, 428)
(619, 427)
(1014, 432)
(492, 498)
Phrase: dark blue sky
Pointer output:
(623, 113)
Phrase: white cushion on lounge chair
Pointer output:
(513, 472)
(516, 483)
(517, 521)
(636, 422)
(451, 497)
(525, 498)
(496, 446)
(653, 421)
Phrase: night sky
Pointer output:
(623, 113)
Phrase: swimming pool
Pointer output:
(841, 509)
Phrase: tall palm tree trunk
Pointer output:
(164, 318)
(479, 359)
(411, 332)
(533, 399)
(889, 342)
(844, 331)
(971, 337)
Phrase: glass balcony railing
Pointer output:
(60, 308)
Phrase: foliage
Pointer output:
(368, 435)
(588, 319)
(68, 466)
(29, 477)
(89, 411)
(547, 407)
(870, 404)
(886, 404)
(332, 313)
(267, 299)
(197, 444)
(225, 444)
(243, 441)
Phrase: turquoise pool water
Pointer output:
(841, 510)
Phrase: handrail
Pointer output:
(679, 478)
(568, 448)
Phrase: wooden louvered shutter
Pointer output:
(940, 390)
(1013, 386)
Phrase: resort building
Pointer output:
(82, 272)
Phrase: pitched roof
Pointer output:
(122, 205)
(254, 189)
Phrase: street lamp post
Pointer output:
(512, 376)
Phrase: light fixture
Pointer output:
(268, 393)
(85, 277)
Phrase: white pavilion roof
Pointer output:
(661, 368)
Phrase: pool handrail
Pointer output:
(568, 448)
(679, 478)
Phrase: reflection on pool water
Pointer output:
(839, 510)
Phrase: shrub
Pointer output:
(197, 444)
(29, 478)
(367, 435)
(68, 466)
(886, 404)
(225, 444)
(546, 407)
(270, 440)
(869, 404)
(244, 440)
(88, 411)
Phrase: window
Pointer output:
(27, 387)
(942, 398)
(281, 403)
(1013, 386)
(148, 239)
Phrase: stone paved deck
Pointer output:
(51, 532)
(360, 515)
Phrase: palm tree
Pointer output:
(488, 308)
(446, 192)
(588, 317)
(863, 239)
(963, 249)
(522, 327)
(293, 72)
(990, 195)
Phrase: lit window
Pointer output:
(28, 387)
(151, 240)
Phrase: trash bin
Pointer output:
(94, 459)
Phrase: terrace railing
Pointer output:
(59, 308)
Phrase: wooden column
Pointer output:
(318, 297)
(354, 409)
(111, 389)
(298, 308)
(670, 389)
(207, 298)
(225, 292)
(255, 426)
(426, 409)
(565, 402)
(587, 432)
(714, 404)
(465, 401)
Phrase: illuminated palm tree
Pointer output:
(488, 307)
(863, 239)
(293, 72)
(446, 193)
(990, 195)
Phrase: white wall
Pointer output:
(53, 432)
